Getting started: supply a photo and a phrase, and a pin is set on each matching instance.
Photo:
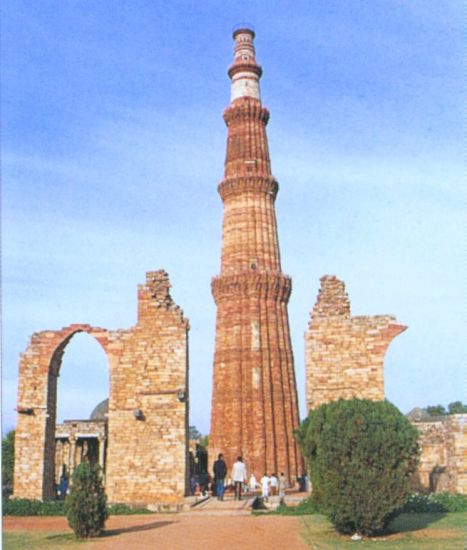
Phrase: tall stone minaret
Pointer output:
(254, 404)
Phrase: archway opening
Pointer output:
(83, 378)
(81, 408)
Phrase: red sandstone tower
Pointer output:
(254, 405)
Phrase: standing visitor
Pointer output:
(203, 483)
(63, 486)
(253, 483)
(238, 477)
(282, 484)
(220, 471)
(265, 487)
(273, 483)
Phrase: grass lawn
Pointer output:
(35, 540)
(417, 531)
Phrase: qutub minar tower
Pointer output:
(254, 404)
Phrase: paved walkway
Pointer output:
(228, 506)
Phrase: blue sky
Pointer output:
(113, 146)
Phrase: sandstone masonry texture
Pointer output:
(148, 364)
(254, 404)
(344, 355)
(443, 444)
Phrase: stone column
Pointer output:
(72, 454)
(101, 443)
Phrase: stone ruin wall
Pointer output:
(148, 368)
(344, 355)
(442, 464)
(147, 458)
(344, 358)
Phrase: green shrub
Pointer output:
(304, 508)
(420, 504)
(52, 508)
(432, 503)
(8, 463)
(125, 510)
(27, 507)
(85, 506)
(21, 507)
(452, 502)
(362, 455)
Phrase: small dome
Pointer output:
(100, 412)
(418, 415)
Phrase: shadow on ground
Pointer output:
(412, 522)
(136, 528)
(112, 532)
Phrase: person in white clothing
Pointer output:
(239, 477)
(265, 486)
(273, 484)
(282, 486)
(253, 483)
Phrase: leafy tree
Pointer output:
(8, 462)
(457, 407)
(362, 455)
(193, 433)
(436, 410)
(86, 505)
(204, 442)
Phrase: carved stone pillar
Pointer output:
(101, 443)
(72, 454)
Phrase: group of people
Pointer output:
(270, 485)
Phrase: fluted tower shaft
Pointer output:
(254, 406)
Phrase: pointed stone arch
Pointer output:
(36, 406)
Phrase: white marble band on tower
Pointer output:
(245, 72)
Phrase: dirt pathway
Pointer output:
(192, 531)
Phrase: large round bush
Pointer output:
(86, 505)
(362, 455)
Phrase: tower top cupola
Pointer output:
(245, 71)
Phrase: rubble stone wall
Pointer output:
(148, 403)
(442, 464)
(344, 355)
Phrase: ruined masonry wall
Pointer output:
(148, 367)
(442, 464)
(147, 458)
(344, 355)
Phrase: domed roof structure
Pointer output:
(418, 415)
(100, 411)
